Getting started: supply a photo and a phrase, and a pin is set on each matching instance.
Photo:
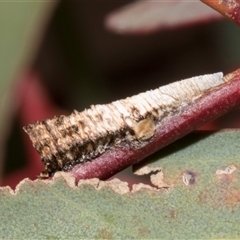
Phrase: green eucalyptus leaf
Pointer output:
(199, 201)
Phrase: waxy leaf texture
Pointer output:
(200, 199)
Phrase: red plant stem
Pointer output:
(228, 8)
(210, 106)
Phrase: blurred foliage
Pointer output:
(91, 65)
(20, 27)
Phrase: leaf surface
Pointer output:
(206, 207)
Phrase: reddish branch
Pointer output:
(228, 8)
(214, 104)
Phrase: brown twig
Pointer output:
(228, 8)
